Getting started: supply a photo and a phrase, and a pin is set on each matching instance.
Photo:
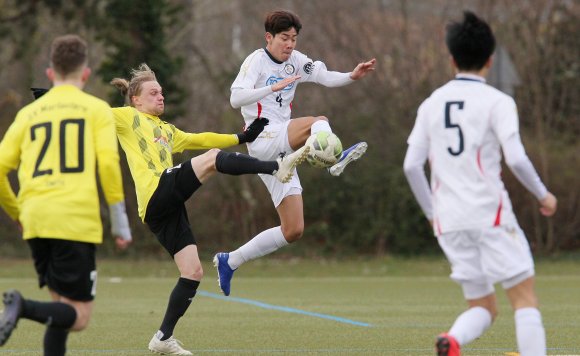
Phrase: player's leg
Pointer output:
(299, 129)
(462, 251)
(507, 258)
(470, 324)
(530, 333)
(167, 218)
(286, 198)
(235, 163)
(68, 269)
(290, 230)
(191, 272)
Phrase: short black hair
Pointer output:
(470, 42)
(280, 21)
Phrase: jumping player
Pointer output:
(264, 88)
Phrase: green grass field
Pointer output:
(286, 307)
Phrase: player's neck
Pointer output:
(74, 82)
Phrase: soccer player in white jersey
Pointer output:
(462, 128)
(265, 88)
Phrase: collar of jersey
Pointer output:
(65, 87)
(149, 116)
(469, 77)
(272, 57)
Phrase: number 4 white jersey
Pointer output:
(463, 125)
(260, 70)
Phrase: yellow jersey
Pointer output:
(149, 143)
(56, 143)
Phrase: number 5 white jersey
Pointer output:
(463, 125)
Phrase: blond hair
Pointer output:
(132, 87)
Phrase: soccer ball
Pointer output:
(325, 149)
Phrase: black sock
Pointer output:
(235, 163)
(55, 314)
(55, 341)
(179, 301)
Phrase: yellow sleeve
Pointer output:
(9, 160)
(106, 148)
(202, 141)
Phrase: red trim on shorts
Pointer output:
(498, 215)
(259, 109)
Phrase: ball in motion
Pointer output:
(325, 149)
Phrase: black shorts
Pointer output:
(66, 267)
(166, 215)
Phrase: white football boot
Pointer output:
(171, 346)
(287, 163)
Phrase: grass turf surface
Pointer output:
(285, 307)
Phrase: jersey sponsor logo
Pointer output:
(289, 68)
(308, 68)
(162, 140)
(273, 80)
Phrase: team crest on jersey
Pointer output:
(273, 80)
(289, 69)
(308, 68)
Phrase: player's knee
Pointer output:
(196, 273)
(82, 321)
(323, 118)
(293, 233)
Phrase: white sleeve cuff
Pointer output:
(119, 221)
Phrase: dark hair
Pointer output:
(67, 54)
(470, 42)
(280, 21)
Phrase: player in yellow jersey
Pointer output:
(56, 143)
(162, 188)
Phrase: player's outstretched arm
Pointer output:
(362, 69)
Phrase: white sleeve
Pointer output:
(521, 166)
(328, 78)
(242, 97)
(415, 173)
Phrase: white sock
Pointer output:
(320, 125)
(262, 244)
(470, 325)
(530, 332)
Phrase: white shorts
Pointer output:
(268, 146)
(481, 258)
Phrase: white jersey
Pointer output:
(463, 125)
(260, 70)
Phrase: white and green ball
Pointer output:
(325, 149)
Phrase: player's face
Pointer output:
(150, 100)
(281, 45)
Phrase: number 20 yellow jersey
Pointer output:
(56, 143)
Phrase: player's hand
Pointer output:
(548, 205)
(252, 131)
(121, 243)
(285, 82)
(362, 69)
